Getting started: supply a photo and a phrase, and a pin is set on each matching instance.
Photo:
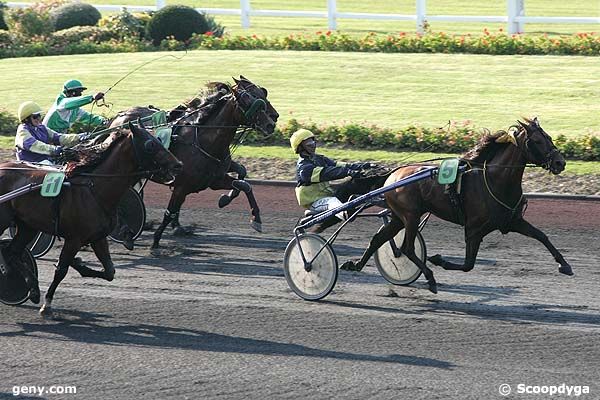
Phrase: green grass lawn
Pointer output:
(392, 90)
(283, 26)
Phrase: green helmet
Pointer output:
(73, 84)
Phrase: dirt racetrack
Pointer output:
(211, 316)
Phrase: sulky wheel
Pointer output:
(13, 288)
(40, 245)
(130, 212)
(320, 280)
(400, 270)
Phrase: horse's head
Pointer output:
(539, 148)
(259, 113)
(152, 156)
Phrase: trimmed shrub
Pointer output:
(74, 14)
(179, 22)
(8, 123)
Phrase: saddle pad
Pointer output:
(159, 118)
(163, 134)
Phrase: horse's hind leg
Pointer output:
(525, 228)
(408, 249)
(383, 235)
(13, 254)
(67, 254)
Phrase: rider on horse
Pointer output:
(66, 108)
(314, 171)
(35, 142)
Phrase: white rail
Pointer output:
(515, 14)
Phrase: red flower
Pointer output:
(328, 33)
(209, 33)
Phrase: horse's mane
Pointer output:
(89, 154)
(487, 147)
(205, 103)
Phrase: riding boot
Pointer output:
(320, 227)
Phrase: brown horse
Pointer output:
(85, 210)
(491, 197)
(204, 129)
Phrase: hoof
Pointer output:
(350, 266)
(432, 287)
(224, 200)
(46, 310)
(128, 244)
(181, 231)
(34, 295)
(257, 226)
(109, 274)
(436, 260)
(566, 269)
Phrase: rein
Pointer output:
(489, 189)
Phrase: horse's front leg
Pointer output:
(100, 248)
(470, 256)
(241, 173)
(525, 228)
(237, 185)
(171, 214)
(69, 250)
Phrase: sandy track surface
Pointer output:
(211, 316)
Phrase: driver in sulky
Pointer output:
(37, 143)
(314, 173)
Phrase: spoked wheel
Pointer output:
(320, 280)
(40, 245)
(131, 213)
(400, 270)
(13, 288)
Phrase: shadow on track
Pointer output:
(94, 328)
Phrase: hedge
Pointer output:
(585, 44)
(453, 138)
(456, 137)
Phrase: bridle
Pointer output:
(249, 105)
(538, 155)
(246, 103)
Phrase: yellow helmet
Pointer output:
(27, 108)
(298, 137)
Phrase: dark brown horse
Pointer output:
(84, 212)
(204, 129)
(491, 197)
